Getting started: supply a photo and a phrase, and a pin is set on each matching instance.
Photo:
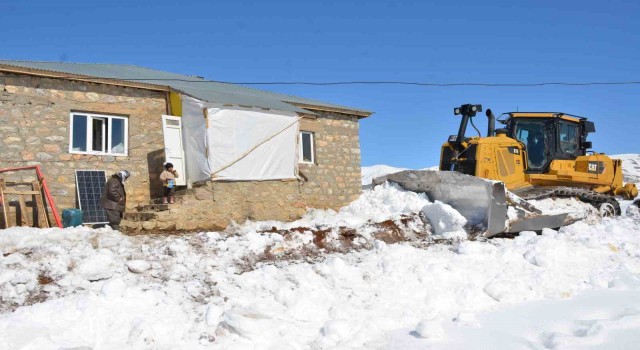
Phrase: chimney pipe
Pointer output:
(491, 127)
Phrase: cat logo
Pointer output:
(595, 167)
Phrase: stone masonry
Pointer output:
(34, 130)
(334, 179)
(332, 182)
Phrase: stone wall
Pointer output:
(332, 182)
(34, 129)
(335, 178)
(217, 204)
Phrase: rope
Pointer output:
(254, 147)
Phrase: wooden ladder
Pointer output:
(36, 199)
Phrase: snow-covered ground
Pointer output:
(79, 288)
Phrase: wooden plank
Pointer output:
(24, 193)
(23, 211)
(39, 206)
(8, 183)
(4, 204)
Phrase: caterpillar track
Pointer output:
(607, 205)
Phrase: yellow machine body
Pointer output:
(497, 158)
(504, 157)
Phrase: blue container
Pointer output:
(71, 217)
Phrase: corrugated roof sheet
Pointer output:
(199, 88)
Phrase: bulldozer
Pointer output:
(536, 155)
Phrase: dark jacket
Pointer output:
(114, 196)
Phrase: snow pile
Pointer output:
(99, 289)
(386, 212)
(186, 292)
(381, 203)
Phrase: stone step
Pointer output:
(153, 207)
(177, 196)
(140, 216)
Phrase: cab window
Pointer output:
(568, 137)
(531, 133)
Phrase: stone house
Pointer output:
(243, 153)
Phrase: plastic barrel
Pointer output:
(71, 217)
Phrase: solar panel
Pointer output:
(89, 187)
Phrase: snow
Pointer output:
(86, 288)
(371, 172)
(446, 221)
(630, 167)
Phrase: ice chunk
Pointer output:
(430, 329)
(138, 266)
(443, 218)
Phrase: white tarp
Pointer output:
(239, 143)
(252, 145)
(194, 140)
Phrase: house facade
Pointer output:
(68, 117)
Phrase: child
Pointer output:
(169, 178)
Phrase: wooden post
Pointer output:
(4, 204)
(23, 210)
(39, 205)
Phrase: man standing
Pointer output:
(114, 198)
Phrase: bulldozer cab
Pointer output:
(549, 136)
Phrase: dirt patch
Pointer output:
(414, 228)
(44, 280)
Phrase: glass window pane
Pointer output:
(117, 136)
(568, 137)
(307, 152)
(531, 133)
(79, 137)
(98, 134)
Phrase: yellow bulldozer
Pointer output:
(536, 155)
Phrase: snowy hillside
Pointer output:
(377, 274)
(371, 172)
(630, 167)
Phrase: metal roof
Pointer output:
(206, 90)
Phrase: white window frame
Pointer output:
(301, 148)
(106, 144)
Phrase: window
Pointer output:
(307, 152)
(568, 137)
(98, 134)
(531, 133)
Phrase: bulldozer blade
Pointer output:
(537, 223)
(481, 202)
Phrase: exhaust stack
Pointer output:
(491, 127)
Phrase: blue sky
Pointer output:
(426, 41)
